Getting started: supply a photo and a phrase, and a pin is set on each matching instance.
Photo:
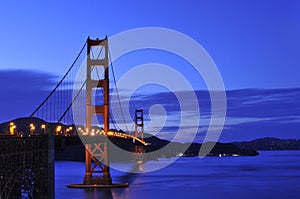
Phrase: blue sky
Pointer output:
(258, 40)
(255, 44)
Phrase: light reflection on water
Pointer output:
(269, 175)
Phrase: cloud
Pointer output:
(261, 128)
(22, 91)
(260, 103)
(251, 113)
(32, 79)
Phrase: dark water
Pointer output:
(272, 174)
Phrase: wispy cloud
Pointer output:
(251, 113)
(22, 91)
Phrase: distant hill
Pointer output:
(270, 143)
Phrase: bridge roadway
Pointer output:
(92, 133)
(114, 134)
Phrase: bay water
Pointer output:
(272, 174)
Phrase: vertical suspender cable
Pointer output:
(59, 83)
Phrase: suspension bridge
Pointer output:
(80, 97)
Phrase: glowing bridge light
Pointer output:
(43, 126)
(93, 132)
(32, 128)
(58, 129)
(12, 128)
(110, 133)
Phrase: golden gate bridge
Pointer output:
(86, 86)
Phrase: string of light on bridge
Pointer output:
(69, 130)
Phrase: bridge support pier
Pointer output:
(89, 179)
(93, 153)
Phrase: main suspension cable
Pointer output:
(59, 83)
(117, 91)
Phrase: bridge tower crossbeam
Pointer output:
(139, 123)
